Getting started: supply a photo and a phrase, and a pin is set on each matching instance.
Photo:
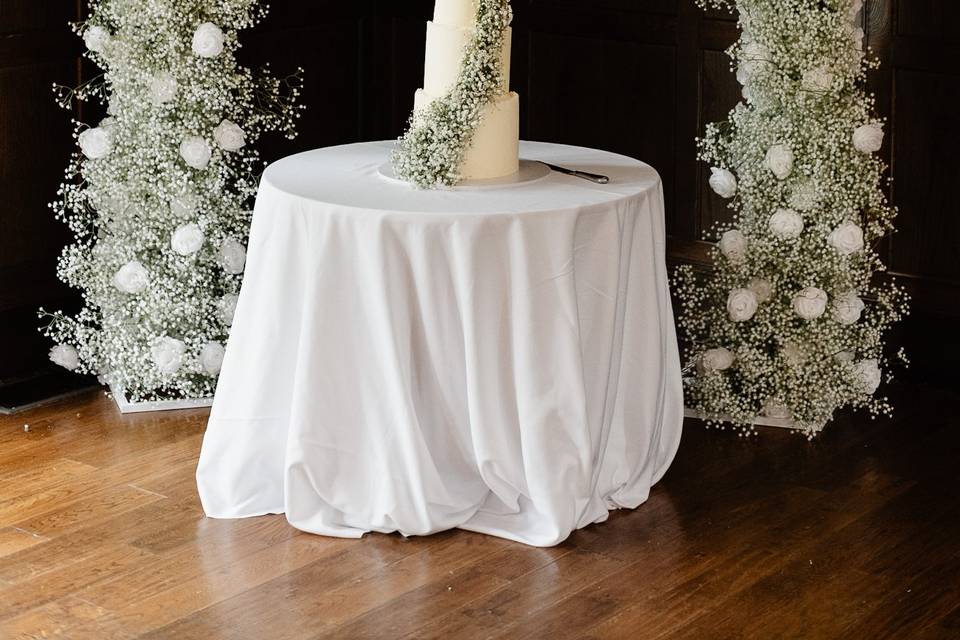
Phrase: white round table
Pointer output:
(498, 359)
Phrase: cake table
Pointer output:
(501, 359)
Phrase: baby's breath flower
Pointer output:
(158, 196)
(809, 208)
(431, 152)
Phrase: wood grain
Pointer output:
(851, 535)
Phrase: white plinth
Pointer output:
(759, 421)
(125, 406)
(530, 171)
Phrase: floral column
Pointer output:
(159, 194)
(791, 322)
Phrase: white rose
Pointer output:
(116, 205)
(779, 160)
(847, 308)
(755, 51)
(718, 359)
(761, 288)
(773, 408)
(132, 277)
(163, 89)
(855, 8)
(868, 138)
(211, 358)
(741, 305)
(818, 79)
(794, 354)
(847, 239)
(187, 239)
(228, 308)
(185, 205)
(96, 39)
(858, 35)
(859, 53)
(96, 143)
(844, 356)
(723, 182)
(229, 136)
(805, 196)
(233, 256)
(195, 152)
(65, 356)
(786, 224)
(870, 375)
(733, 244)
(167, 354)
(743, 74)
(811, 303)
(208, 40)
(108, 123)
(759, 99)
(754, 59)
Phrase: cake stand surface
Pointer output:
(530, 171)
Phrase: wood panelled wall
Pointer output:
(639, 77)
(37, 50)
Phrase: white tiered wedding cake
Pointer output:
(494, 150)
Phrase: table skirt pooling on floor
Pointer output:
(498, 360)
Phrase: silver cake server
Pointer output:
(585, 175)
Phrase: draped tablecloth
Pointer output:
(498, 359)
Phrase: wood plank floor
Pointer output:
(854, 535)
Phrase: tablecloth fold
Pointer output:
(397, 368)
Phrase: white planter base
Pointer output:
(759, 421)
(125, 406)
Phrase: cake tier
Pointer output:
(446, 46)
(495, 149)
(455, 12)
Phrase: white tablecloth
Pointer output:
(502, 360)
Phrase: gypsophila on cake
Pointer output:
(158, 195)
(792, 296)
(465, 123)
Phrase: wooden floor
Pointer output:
(855, 535)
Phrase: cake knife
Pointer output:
(586, 175)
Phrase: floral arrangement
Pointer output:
(430, 154)
(158, 195)
(791, 323)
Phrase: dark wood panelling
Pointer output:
(405, 68)
(22, 16)
(719, 93)
(935, 19)
(640, 78)
(331, 91)
(38, 133)
(926, 172)
(36, 51)
(918, 90)
(331, 42)
(566, 78)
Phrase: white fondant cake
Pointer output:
(495, 149)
